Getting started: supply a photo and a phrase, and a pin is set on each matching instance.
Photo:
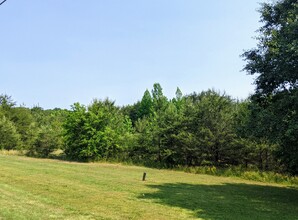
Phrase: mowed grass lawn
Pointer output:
(50, 189)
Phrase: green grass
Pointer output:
(50, 189)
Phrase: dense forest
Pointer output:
(208, 128)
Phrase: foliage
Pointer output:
(46, 142)
(146, 105)
(25, 125)
(37, 131)
(49, 132)
(6, 102)
(200, 129)
(9, 137)
(191, 130)
(275, 61)
(99, 131)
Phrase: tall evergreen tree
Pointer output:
(146, 105)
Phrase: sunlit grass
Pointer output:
(50, 189)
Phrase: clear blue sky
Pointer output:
(57, 52)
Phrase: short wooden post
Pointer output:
(144, 176)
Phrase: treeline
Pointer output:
(199, 129)
(37, 131)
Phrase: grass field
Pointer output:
(50, 189)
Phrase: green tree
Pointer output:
(146, 105)
(155, 131)
(275, 62)
(160, 104)
(178, 100)
(159, 100)
(75, 134)
(9, 137)
(132, 111)
(253, 125)
(6, 102)
(25, 125)
(47, 141)
(212, 125)
(49, 131)
(99, 131)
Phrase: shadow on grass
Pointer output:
(228, 201)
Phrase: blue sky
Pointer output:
(54, 53)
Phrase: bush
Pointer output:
(9, 137)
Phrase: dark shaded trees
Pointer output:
(211, 124)
(275, 62)
(189, 130)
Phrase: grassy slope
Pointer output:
(49, 189)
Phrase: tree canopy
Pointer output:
(275, 60)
